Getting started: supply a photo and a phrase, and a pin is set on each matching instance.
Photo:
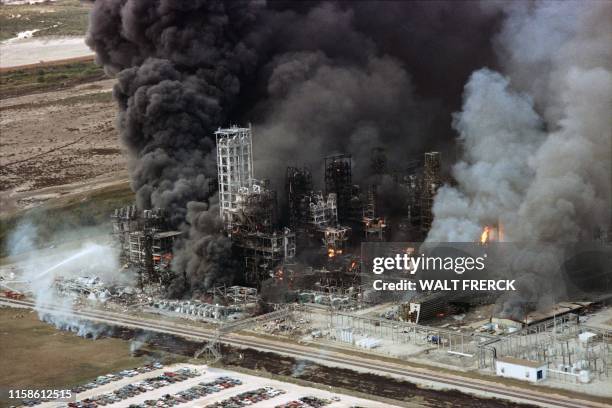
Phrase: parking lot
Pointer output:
(186, 386)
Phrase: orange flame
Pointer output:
(331, 252)
(484, 237)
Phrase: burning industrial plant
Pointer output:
(312, 180)
(333, 95)
(189, 67)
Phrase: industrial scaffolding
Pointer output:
(298, 184)
(431, 183)
(254, 209)
(263, 252)
(338, 180)
(320, 212)
(248, 207)
(234, 168)
(145, 242)
(373, 227)
(319, 221)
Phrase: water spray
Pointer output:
(65, 261)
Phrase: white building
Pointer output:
(520, 369)
(586, 337)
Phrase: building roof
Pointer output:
(504, 320)
(166, 234)
(521, 362)
(558, 309)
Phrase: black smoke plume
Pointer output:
(314, 78)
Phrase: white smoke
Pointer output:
(499, 130)
(41, 267)
(537, 140)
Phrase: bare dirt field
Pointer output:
(25, 18)
(57, 117)
(57, 143)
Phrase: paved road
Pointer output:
(413, 374)
(29, 51)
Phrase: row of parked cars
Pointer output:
(308, 402)
(247, 398)
(108, 378)
(131, 390)
(29, 403)
(197, 391)
(105, 379)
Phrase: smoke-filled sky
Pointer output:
(537, 134)
(530, 82)
(537, 138)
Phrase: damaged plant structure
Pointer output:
(314, 185)
(345, 125)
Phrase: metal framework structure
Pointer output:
(254, 209)
(145, 242)
(321, 212)
(374, 229)
(369, 210)
(555, 342)
(338, 180)
(412, 182)
(461, 344)
(298, 184)
(234, 168)
(431, 183)
(263, 252)
(316, 221)
(248, 207)
(335, 238)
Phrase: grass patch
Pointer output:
(36, 355)
(48, 77)
(67, 217)
(59, 18)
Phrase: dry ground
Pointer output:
(57, 143)
(35, 354)
(61, 164)
(57, 18)
(57, 118)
